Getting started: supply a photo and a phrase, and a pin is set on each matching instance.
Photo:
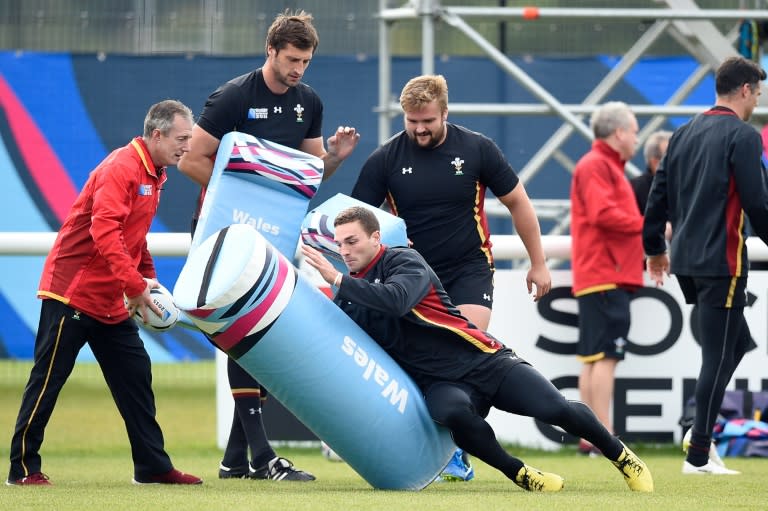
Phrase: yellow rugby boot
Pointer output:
(533, 479)
(635, 471)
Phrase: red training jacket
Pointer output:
(606, 224)
(101, 249)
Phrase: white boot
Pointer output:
(714, 456)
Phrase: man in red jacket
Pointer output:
(607, 254)
(99, 257)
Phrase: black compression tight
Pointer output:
(524, 391)
(724, 339)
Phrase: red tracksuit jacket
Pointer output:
(101, 249)
(606, 224)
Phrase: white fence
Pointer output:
(177, 244)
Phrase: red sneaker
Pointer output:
(38, 478)
(172, 477)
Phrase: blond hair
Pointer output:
(422, 90)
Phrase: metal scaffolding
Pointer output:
(683, 20)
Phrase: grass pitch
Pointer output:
(86, 454)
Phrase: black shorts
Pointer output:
(469, 283)
(482, 382)
(603, 325)
(720, 292)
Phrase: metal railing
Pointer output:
(505, 247)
